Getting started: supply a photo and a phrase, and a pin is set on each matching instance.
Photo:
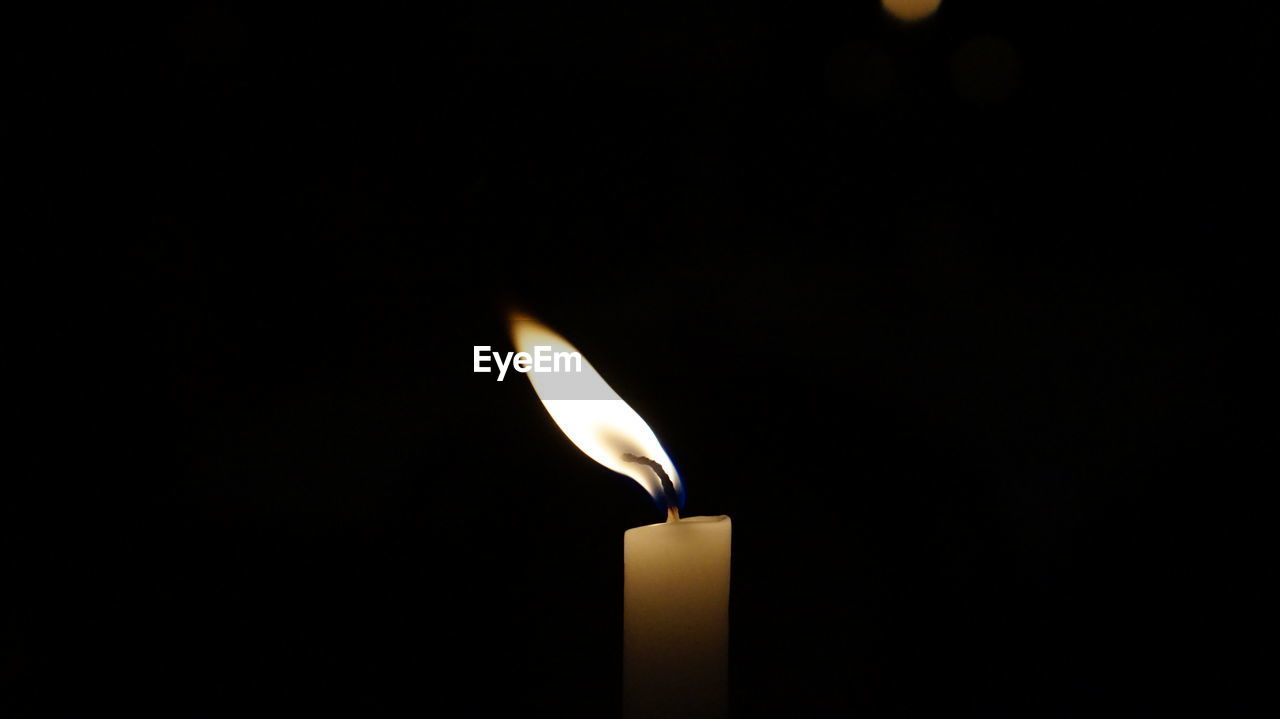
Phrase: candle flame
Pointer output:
(592, 415)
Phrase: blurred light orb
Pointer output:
(910, 10)
(985, 69)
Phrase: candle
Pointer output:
(676, 618)
(676, 586)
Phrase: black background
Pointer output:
(941, 314)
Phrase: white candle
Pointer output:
(676, 618)
(676, 590)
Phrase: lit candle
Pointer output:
(676, 585)
(676, 618)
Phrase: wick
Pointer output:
(668, 489)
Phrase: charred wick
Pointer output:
(668, 488)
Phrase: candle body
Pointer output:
(676, 619)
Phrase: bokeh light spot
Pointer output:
(985, 69)
(910, 10)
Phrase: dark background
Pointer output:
(941, 314)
